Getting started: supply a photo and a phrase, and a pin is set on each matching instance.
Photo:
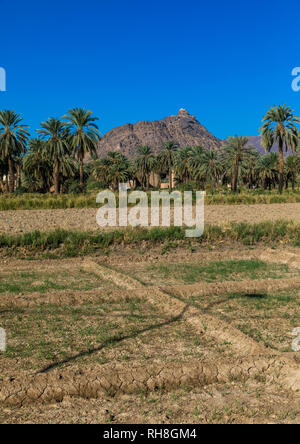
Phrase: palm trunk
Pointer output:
(170, 178)
(235, 179)
(56, 178)
(281, 165)
(18, 176)
(11, 176)
(2, 184)
(81, 172)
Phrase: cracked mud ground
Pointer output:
(145, 337)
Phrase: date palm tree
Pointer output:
(182, 168)
(144, 163)
(167, 158)
(211, 167)
(55, 134)
(83, 134)
(13, 139)
(249, 168)
(112, 170)
(292, 167)
(37, 169)
(267, 170)
(68, 167)
(279, 125)
(235, 151)
(195, 164)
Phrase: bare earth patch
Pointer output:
(84, 219)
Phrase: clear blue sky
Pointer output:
(224, 61)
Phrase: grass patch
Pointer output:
(47, 201)
(269, 317)
(252, 198)
(52, 333)
(232, 270)
(109, 331)
(27, 282)
(34, 201)
(73, 243)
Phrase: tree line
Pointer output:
(55, 159)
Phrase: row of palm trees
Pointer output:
(235, 164)
(61, 146)
(58, 145)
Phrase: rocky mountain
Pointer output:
(256, 142)
(182, 128)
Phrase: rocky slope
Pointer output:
(256, 142)
(182, 128)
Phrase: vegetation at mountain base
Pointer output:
(63, 159)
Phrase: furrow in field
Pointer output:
(80, 297)
(117, 379)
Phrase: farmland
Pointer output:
(84, 219)
(155, 332)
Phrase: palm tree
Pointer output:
(144, 163)
(13, 139)
(195, 164)
(159, 168)
(249, 165)
(67, 170)
(292, 166)
(133, 173)
(112, 170)
(37, 168)
(83, 136)
(235, 150)
(55, 133)
(181, 163)
(279, 126)
(211, 167)
(267, 170)
(99, 170)
(167, 158)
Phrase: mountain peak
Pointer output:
(183, 128)
(183, 112)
